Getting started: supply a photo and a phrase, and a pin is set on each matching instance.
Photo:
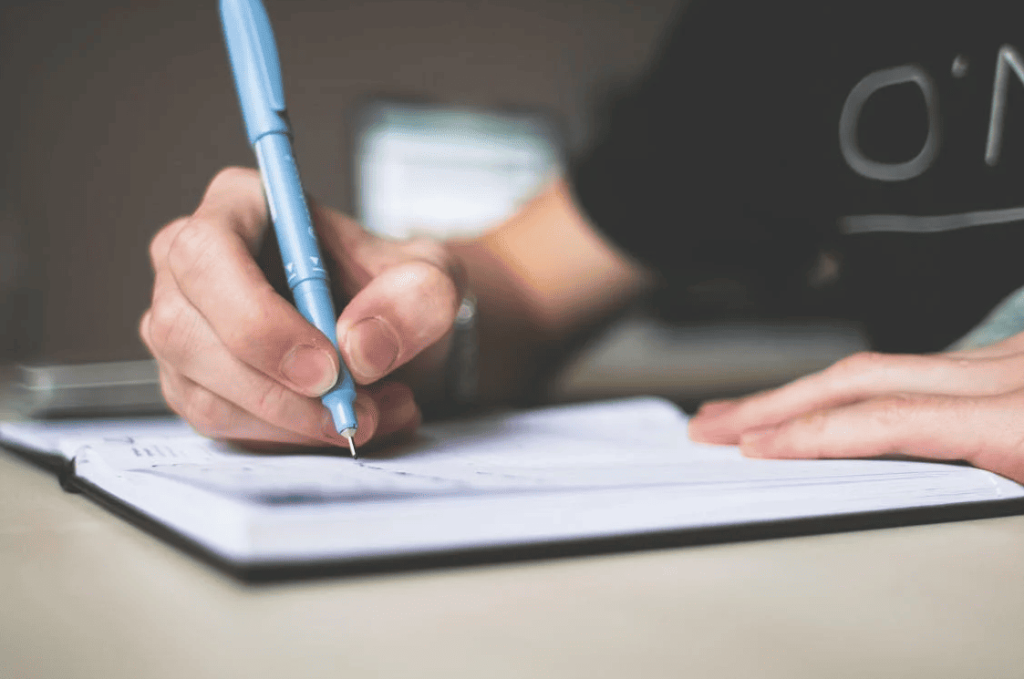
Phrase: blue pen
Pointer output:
(257, 71)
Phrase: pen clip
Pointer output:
(256, 66)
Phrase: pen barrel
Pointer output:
(313, 300)
(303, 263)
(288, 210)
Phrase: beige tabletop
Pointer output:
(84, 594)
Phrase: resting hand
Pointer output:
(966, 405)
(239, 362)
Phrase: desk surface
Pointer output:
(85, 594)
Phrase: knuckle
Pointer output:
(167, 326)
(208, 414)
(272, 401)
(158, 247)
(810, 426)
(438, 254)
(428, 249)
(892, 411)
(160, 244)
(232, 176)
(862, 361)
(190, 246)
(247, 333)
(170, 394)
(433, 285)
(144, 332)
(431, 298)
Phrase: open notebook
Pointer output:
(562, 480)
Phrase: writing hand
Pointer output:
(966, 405)
(239, 362)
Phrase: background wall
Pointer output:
(115, 115)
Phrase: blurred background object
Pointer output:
(91, 389)
(442, 171)
(21, 304)
(117, 114)
(691, 362)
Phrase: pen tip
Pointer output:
(352, 447)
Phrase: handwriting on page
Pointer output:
(578, 449)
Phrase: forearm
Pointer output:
(511, 338)
(541, 280)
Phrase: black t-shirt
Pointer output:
(772, 141)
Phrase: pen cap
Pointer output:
(255, 65)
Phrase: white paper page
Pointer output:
(562, 473)
(51, 437)
(626, 444)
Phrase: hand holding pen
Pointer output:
(239, 362)
(257, 74)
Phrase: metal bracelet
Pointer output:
(460, 372)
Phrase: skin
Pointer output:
(954, 406)
(239, 363)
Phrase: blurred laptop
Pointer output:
(109, 389)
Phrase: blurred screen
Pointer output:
(425, 169)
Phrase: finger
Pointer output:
(404, 294)
(160, 245)
(401, 312)
(180, 337)
(1007, 347)
(357, 256)
(251, 407)
(986, 431)
(210, 259)
(397, 414)
(216, 417)
(858, 377)
(384, 413)
(354, 255)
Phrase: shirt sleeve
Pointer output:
(676, 175)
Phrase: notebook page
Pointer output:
(52, 437)
(565, 448)
(576, 471)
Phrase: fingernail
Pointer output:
(366, 416)
(372, 349)
(310, 369)
(715, 408)
(329, 431)
(701, 432)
